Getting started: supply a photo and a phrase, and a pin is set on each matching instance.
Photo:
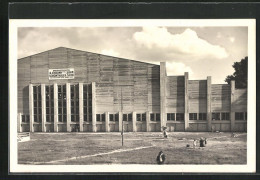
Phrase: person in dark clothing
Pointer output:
(202, 142)
(160, 158)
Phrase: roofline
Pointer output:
(89, 52)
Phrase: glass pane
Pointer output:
(116, 117)
(64, 118)
(124, 117)
(60, 118)
(129, 117)
(143, 117)
(168, 116)
(138, 117)
(103, 117)
(158, 117)
(111, 117)
(152, 117)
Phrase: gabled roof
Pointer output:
(86, 52)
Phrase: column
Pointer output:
(107, 122)
(55, 99)
(19, 122)
(31, 107)
(232, 111)
(68, 107)
(209, 118)
(94, 126)
(81, 113)
(120, 122)
(163, 93)
(148, 121)
(186, 99)
(43, 107)
(134, 121)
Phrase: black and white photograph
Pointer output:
(132, 95)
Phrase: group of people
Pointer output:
(202, 142)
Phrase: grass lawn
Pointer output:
(106, 148)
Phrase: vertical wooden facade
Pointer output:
(128, 94)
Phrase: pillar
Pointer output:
(107, 122)
(55, 99)
(94, 126)
(81, 112)
(19, 123)
(209, 116)
(43, 96)
(31, 107)
(68, 107)
(120, 122)
(134, 121)
(186, 99)
(232, 111)
(163, 93)
(147, 121)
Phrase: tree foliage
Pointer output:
(240, 74)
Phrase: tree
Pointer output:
(240, 74)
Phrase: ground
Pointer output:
(139, 148)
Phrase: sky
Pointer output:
(201, 51)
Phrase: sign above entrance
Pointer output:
(61, 73)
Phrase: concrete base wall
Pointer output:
(25, 128)
(114, 127)
(37, 127)
(240, 127)
(62, 128)
(101, 128)
(87, 127)
(141, 127)
(49, 127)
(155, 127)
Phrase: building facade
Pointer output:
(66, 90)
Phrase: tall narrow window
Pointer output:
(215, 116)
(87, 102)
(179, 116)
(141, 117)
(127, 117)
(239, 116)
(37, 103)
(74, 95)
(49, 103)
(62, 103)
(170, 116)
(225, 116)
(202, 116)
(193, 116)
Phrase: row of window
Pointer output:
(142, 117)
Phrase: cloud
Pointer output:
(186, 44)
(232, 39)
(176, 68)
(110, 52)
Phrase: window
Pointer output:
(225, 116)
(179, 116)
(74, 98)
(25, 118)
(127, 117)
(239, 116)
(202, 116)
(37, 108)
(100, 117)
(215, 116)
(245, 115)
(87, 102)
(170, 116)
(49, 103)
(62, 103)
(141, 117)
(113, 117)
(158, 117)
(152, 117)
(193, 116)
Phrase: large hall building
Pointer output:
(66, 90)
